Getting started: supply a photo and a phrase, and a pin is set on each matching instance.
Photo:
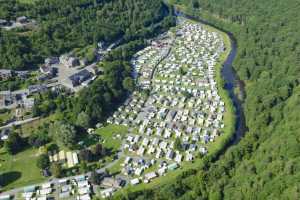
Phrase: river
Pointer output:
(231, 81)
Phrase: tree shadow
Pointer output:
(9, 177)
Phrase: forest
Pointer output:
(65, 25)
(265, 164)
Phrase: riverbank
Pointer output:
(235, 88)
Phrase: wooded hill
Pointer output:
(265, 164)
(68, 24)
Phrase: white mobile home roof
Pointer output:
(83, 184)
(46, 191)
(80, 178)
(64, 194)
(75, 158)
(70, 159)
(27, 194)
(29, 189)
(42, 198)
(135, 181)
(62, 180)
(84, 190)
(5, 197)
(85, 197)
(46, 185)
(150, 175)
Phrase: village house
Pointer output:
(51, 61)
(4, 22)
(5, 74)
(37, 88)
(6, 98)
(48, 70)
(79, 77)
(22, 19)
(149, 176)
(112, 182)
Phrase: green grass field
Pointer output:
(107, 135)
(4, 116)
(27, 1)
(19, 169)
(28, 129)
(116, 168)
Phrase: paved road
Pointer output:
(16, 123)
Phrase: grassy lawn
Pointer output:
(108, 135)
(4, 116)
(116, 168)
(27, 129)
(83, 52)
(20, 169)
(27, 1)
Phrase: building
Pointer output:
(135, 181)
(28, 102)
(29, 189)
(5, 197)
(37, 88)
(172, 166)
(4, 133)
(69, 60)
(84, 62)
(178, 158)
(22, 74)
(22, 19)
(72, 159)
(5, 74)
(111, 182)
(171, 115)
(48, 70)
(97, 70)
(73, 62)
(150, 176)
(170, 155)
(3, 22)
(66, 194)
(5, 98)
(107, 192)
(80, 77)
(51, 61)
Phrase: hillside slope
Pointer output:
(265, 163)
(68, 24)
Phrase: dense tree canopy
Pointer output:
(68, 24)
(63, 134)
(43, 161)
(14, 143)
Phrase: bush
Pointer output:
(56, 170)
(43, 161)
(14, 143)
